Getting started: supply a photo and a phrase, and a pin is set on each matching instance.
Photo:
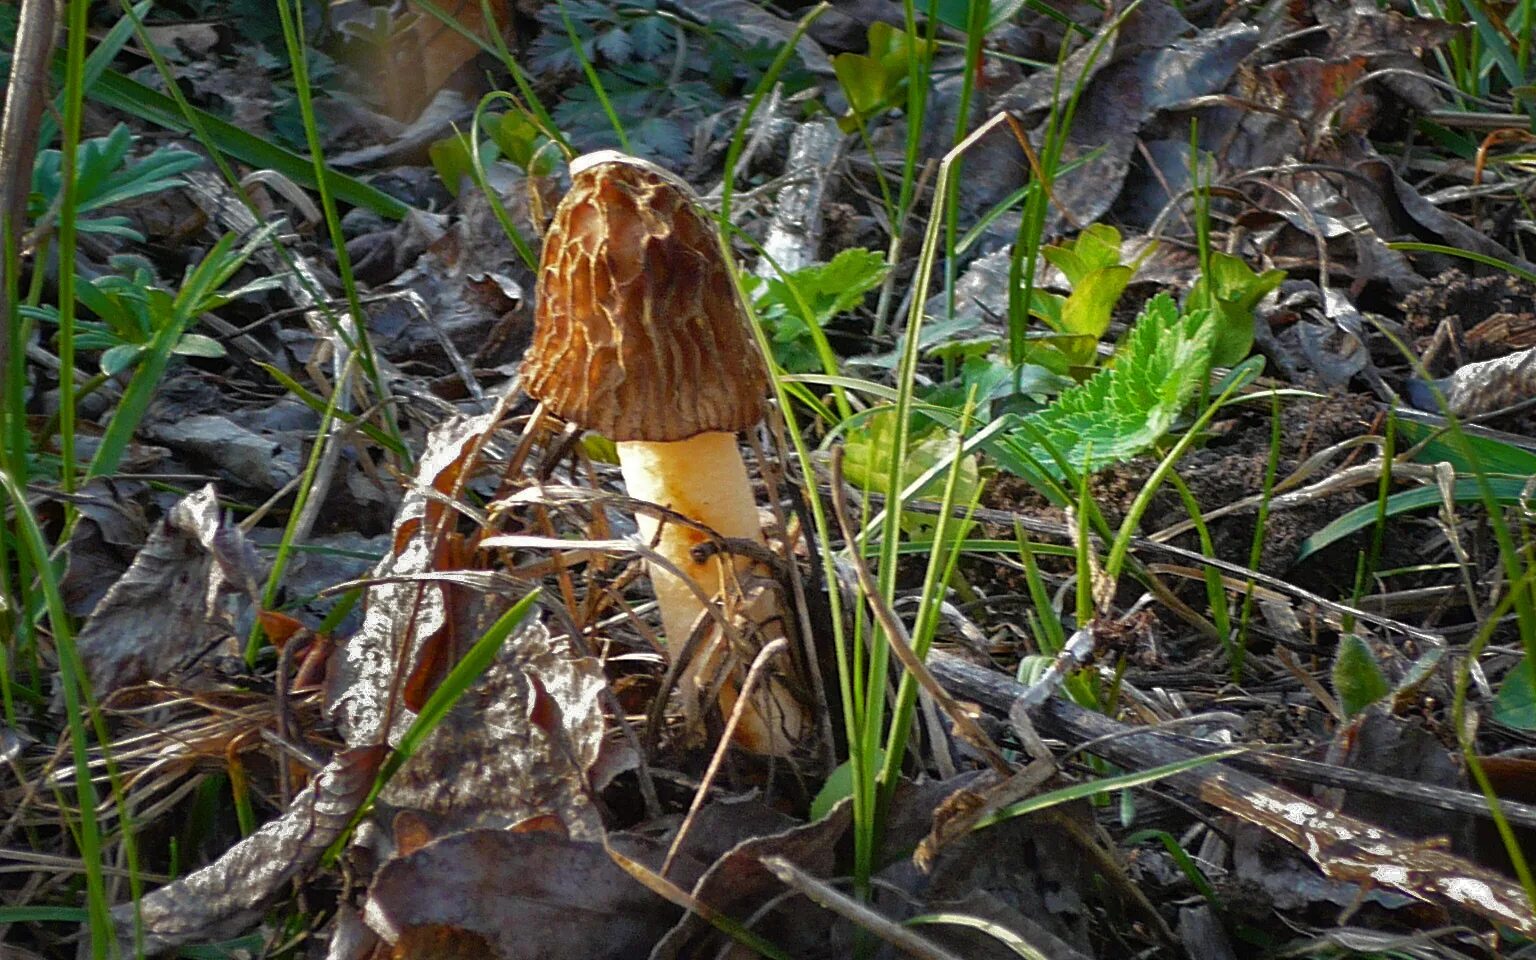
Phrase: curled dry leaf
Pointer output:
(1481, 387)
(738, 883)
(517, 745)
(521, 740)
(163, 610)
(402, 612)
(229, 895)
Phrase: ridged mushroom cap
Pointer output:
(639, 334)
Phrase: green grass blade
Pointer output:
(475, 662)
(115, 90)
(1094, 788)
(74, 686)
(1505, 490)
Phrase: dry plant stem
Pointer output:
(754, 675)
(852, 910)
(1343, 847)
(26, 92)
(1055, 529)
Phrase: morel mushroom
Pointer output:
(640, 336)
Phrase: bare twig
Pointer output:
(25, 94)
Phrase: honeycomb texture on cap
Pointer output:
(639, 334)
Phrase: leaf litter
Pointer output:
(543, 815)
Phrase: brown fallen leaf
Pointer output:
(174, 600)
(229, 895)
(526, 896)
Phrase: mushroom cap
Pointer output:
(639, 333)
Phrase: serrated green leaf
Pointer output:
(1357, 678)
(1515, 706)
(1124, 409)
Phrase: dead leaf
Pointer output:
(529, 896)
(226, 897)
(489, 764)
(737, 883)
(174, 597)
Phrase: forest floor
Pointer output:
(1146, 483)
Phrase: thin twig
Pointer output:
(759, 664)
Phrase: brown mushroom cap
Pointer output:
(639, 334)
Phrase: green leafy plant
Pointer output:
(129, 308)
(876, 81)
(795, 307)
(1359, 680)
(955, 14)
(1092, 266)
(1121, 411)
(452, 161)
(869, 449)
(104, 177)
(1232, 289)
(511, 136)
(522, 142)
(166, 316)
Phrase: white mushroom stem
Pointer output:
(703, 478)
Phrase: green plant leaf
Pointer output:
(877, 80)
(1506, 491)
(1515, 705)
(1493, 456)
(104, 178)
(839, 786)
(198, 345)
(119, 358)
(1096, 248)
(955, 14)
(1087, 311)
(1357, 678)
(869, 448)
(823, 290)
(1122, 410)
(863, 82)
(1233, 289)
(522, 142)
(451, 159)
(115, 90)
